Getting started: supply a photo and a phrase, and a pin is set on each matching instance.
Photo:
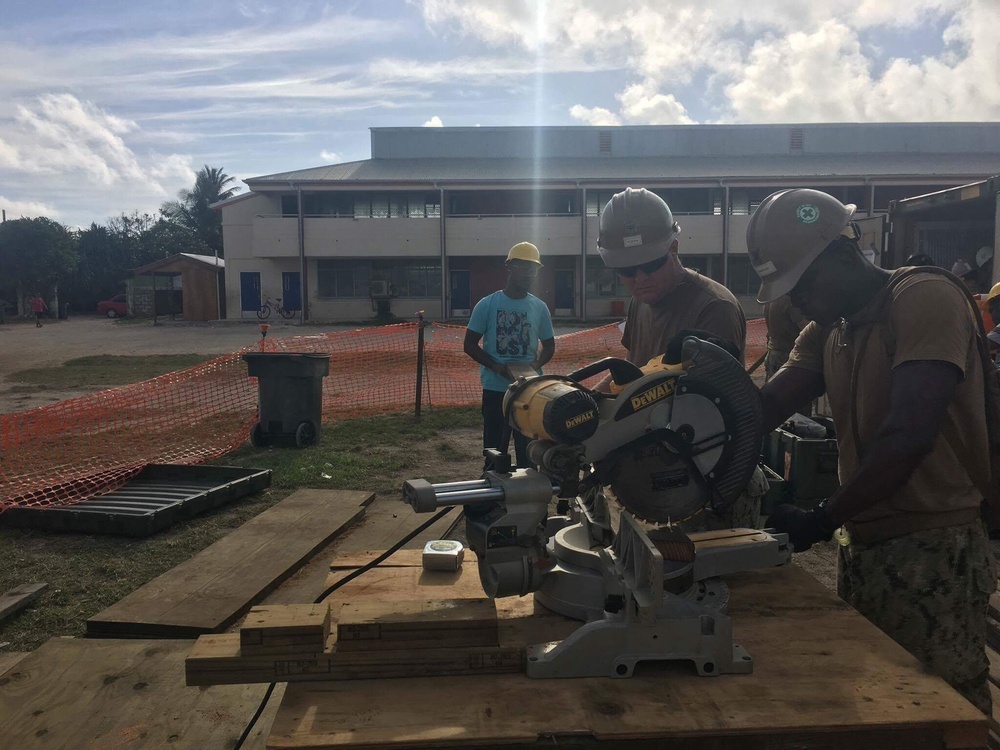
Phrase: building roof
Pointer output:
(208, 260)
(617, 171)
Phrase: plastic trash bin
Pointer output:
(290, 397)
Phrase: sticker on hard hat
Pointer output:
(765, 269)
(634, 241)
(807, 213)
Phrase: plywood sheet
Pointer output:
(117, 695)
(821, 671)
(211, 590)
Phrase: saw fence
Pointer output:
(60, 454)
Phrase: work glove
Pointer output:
(804, 527)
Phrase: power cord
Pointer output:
(329, 590)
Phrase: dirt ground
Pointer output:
(23, 346)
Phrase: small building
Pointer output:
(193, 286)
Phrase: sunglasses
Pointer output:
(647, 268)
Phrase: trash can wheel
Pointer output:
(257, 437)
(305, 434)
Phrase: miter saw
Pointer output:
(672, 440)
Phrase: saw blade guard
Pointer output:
(717, 411)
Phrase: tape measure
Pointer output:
(443, 554)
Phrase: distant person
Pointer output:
(38, 306)
(505, 327)
(784, 323)
(919, 259)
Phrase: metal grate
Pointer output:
(604, 141)
(796, 140)
(161, 495)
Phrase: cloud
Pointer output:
(434, 122)
(330, 157)
(598, 116)
(58, 144)
(644, 105)
(26, 209)
(771, 61)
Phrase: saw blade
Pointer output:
(653, 483)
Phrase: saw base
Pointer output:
(623, 594)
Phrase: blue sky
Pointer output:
(110, 107)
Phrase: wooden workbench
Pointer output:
(824, 678)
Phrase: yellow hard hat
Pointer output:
(524, 251)
(994, 293)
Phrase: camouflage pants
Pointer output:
(742, 514)
(929, 592)
(773, 362)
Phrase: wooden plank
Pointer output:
(211, 590)
(994, 659)
(285, 629)
(117, 694)
(823, 677)
(388, 521)
(10, 659)
(404, 558)
(20, 597)
(216, 660)
(435, 623)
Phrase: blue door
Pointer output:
(291, 290)
(249, 291)
(565, 279)
(461, 292)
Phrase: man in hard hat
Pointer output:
(508, 326)
(639, 240)
(900, 364)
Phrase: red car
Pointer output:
(116, 307)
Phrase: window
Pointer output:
(603, 282)
(342, 278)
(364, 204)
(513, 203)
(743, 279)
(597, 200)
(351, 278)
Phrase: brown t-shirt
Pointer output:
(696, 302)
(784, 322)
(928, 319)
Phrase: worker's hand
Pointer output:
(804, 527)
(500, 368)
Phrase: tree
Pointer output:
(35, 255)
(192, 211)
(109, 254)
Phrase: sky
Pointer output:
(110, 106)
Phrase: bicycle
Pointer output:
(265, 310)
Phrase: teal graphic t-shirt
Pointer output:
(511, 330)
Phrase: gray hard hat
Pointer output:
(636, 227)
(787, 233)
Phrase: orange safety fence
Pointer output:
(81, 447)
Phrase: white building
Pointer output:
(353, 238)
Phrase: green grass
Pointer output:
(102, 370)
(88, 573)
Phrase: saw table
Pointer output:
(824, 678)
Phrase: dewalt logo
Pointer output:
(579, 419)
(654, 394)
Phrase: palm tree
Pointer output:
(192, 207)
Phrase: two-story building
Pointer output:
(426, 222)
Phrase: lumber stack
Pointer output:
(298, 643)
